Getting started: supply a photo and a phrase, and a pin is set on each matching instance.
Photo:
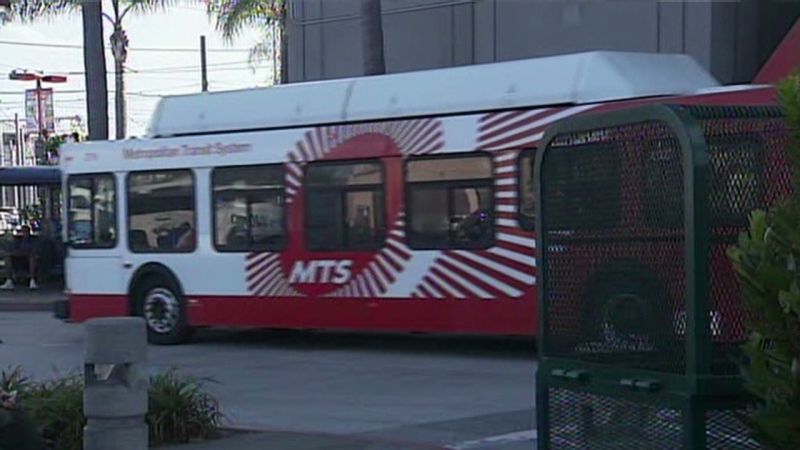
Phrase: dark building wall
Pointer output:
(732, 39)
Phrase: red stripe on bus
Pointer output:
(517, 124)
(500, 118)
(500, 316)
(87, 306)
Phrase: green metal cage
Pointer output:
(640, 312)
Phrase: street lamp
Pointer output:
(39, 78)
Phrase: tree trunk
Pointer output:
(119, 99)
(94, 62)
(284, 62)
(372, 37)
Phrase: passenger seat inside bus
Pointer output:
(138, 240)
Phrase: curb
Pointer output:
(25, 307)
(242, 429)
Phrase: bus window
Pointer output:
(527, 189)
(345, 206)
(92, 211)
(161, 216)
(249, 208)
(450, 202)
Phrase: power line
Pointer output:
(131, 72)
(168, 69)
(138, 49)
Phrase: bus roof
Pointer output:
(579, 78)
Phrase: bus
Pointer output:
(399, 203)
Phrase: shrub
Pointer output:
(56, 406)
(17, 432)
(767, 260)
(180, 409)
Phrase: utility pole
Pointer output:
(15, 154)
(94, 63)
(203, 66)
(372, 37)
(2, 161)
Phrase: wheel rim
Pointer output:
(161, 310)
(624, 322)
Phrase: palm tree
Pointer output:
(32, 9)
(232, 16)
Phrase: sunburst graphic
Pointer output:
(265, 276)
(265, 271)
(505, 270)
(508, 269)
(383, 270)
(412, 137)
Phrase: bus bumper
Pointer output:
(61, 309)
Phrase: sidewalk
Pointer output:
(24, 299)
(275, 440)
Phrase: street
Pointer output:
(454, 392)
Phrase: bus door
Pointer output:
(94, 261)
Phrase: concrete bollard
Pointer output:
(115, 394)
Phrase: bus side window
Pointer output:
(92, 211)
(249, 208)
(450, 201)
(345, 205)
(161, 211)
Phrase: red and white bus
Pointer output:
(400, 203)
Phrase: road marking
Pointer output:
(517, 436)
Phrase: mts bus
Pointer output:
(400, 203)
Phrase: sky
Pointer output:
(151, 73)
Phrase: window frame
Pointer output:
(343, 190)
(128, 209)
(524, 222)
(284, 220)
(449, 185)
(116, 211)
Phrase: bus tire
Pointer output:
(629, 309)
(162, 306)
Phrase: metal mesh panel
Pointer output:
(725, 430)
(584, 421)
(749, 170)
(613, 222)
(581, 421)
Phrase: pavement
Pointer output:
(326, 391)
(300, 441)
(24, 299)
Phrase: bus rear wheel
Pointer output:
(161, 305)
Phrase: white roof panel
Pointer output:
(579, 78)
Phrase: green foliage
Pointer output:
(29, 10)
(17, 432)
(767, 260)
(789, 96)
(233, 16)
(180, 409)
(56, 406)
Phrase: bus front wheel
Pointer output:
(161, 305)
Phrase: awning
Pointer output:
(30, 176)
